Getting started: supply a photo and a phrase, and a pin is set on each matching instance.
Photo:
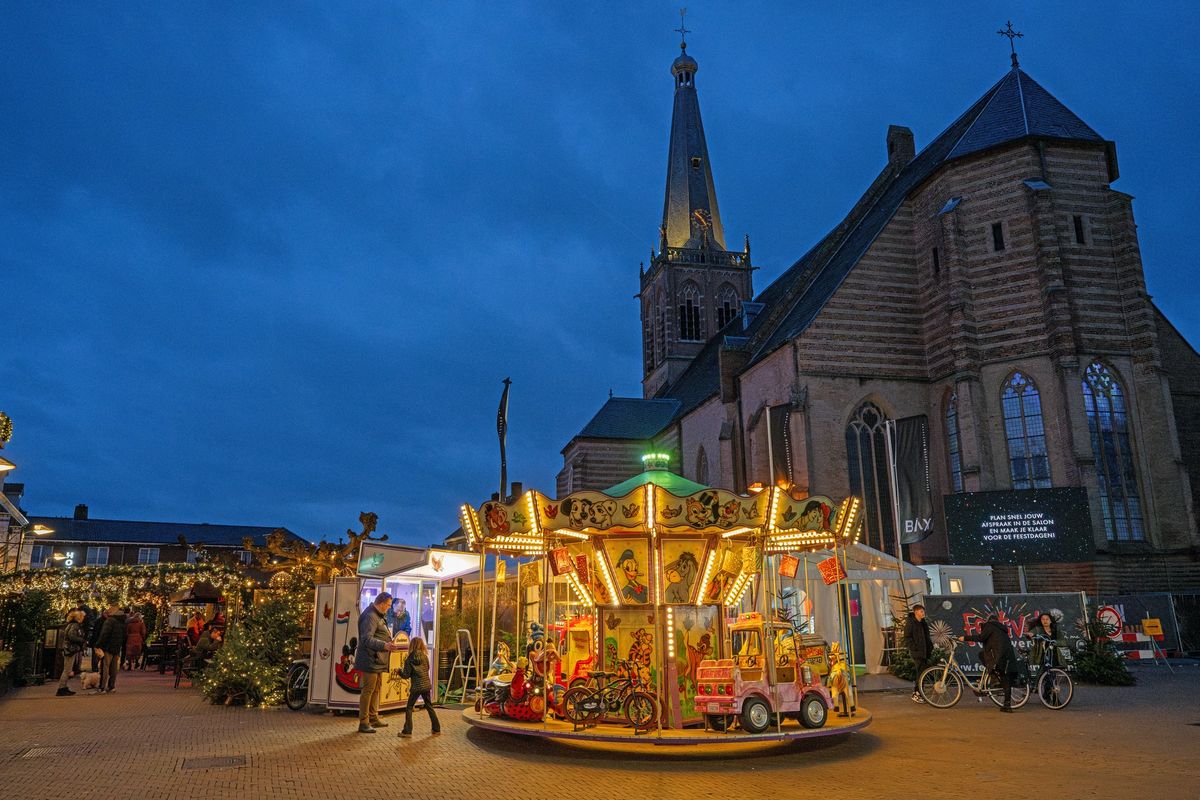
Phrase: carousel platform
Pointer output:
(623, 737)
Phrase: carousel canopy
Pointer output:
(675, 484)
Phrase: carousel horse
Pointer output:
(839, 680)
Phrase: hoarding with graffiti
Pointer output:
(952, 615)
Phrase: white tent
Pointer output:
(878, 580)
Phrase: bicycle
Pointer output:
(586, 704)
(941, 685)
(1054, 685)
(295, 689)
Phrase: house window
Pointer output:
(956, 586)
(727, 305)
(1079, 238)
(245, 556)
(39, 556)
(96, 557)
(1108, 425)
(695, 162)
(997, 236)
(952, 442)
(689, 314)
(937, 263)
(192, 556)
(147, 555)
(1029, 464)
(866, 447)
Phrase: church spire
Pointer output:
(690, 215)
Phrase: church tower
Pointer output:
(694, 285)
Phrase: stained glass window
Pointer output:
(1028, 461)
(866, 447)
(952, 442)
(1108, 426)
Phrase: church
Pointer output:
(990, 283)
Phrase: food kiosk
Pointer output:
(413, 576)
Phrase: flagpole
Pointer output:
(502, 432)
(890, 431)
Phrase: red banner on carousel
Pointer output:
(789, 566)
(831, 570)
(560, 561)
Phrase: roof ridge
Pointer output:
(1021, 94)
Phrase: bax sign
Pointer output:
(952, 615)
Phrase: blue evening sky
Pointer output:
(268, 263)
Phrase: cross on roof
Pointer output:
(1012, 37)
(682, 29)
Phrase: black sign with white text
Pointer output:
(1030, 526)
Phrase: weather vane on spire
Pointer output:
(682, 29)
(1012, 37)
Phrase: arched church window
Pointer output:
(870, 478)
(1028, 461)
(953, 449)
(727, 305)
(648, 312)
(660, 329)
(689, 313)
(701, 466)
(1108, 425)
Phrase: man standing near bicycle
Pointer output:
(998, 655)
(919, 646)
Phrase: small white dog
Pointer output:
(89, 680)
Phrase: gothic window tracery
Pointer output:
(870, 478)
(727, 305)
(689, 313)
(1025, 432)
(1108, 426)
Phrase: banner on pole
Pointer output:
(912, 479)
(789, 566)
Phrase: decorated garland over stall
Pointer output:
(122, 584)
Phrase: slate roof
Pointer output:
(69, 529)
(630, 418)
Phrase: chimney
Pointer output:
(900, 146)
(517, 489)
(81, 511)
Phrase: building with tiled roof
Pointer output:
(989, 283)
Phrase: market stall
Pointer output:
(642, 584)
(413, 576)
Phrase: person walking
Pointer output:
(919, 646)
(74, 641)
(416, 669)
(135, 640)
(110, 642)
(371, 660)
(998, 655)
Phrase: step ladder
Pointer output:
(463, 666)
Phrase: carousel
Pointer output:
(660, 611)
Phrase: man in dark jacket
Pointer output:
(998, 655)
(371, 660)
(73, 640)
(109, 643)
(919, 646)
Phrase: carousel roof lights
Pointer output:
(534, 523)
(709, 562)
(729, 534)
(609, 583)
(773, 508)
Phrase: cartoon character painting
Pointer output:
(815, 516)
(497, 517)
(632, 590)
(680, 576)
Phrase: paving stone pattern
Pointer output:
(151, 742)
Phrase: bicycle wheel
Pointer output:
(295, 692)
(640, 709)
(1055, 688)
(940, 687)
(995, 693)
(575, 705)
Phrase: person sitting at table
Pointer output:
(207, 647)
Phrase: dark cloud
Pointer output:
(268, 264)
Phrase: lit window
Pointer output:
(245, 556)
(96, 557)
(952, 442)
(956, 586)
(866, 448)
(147, 555)
(1108, 425)
(1028, 461)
